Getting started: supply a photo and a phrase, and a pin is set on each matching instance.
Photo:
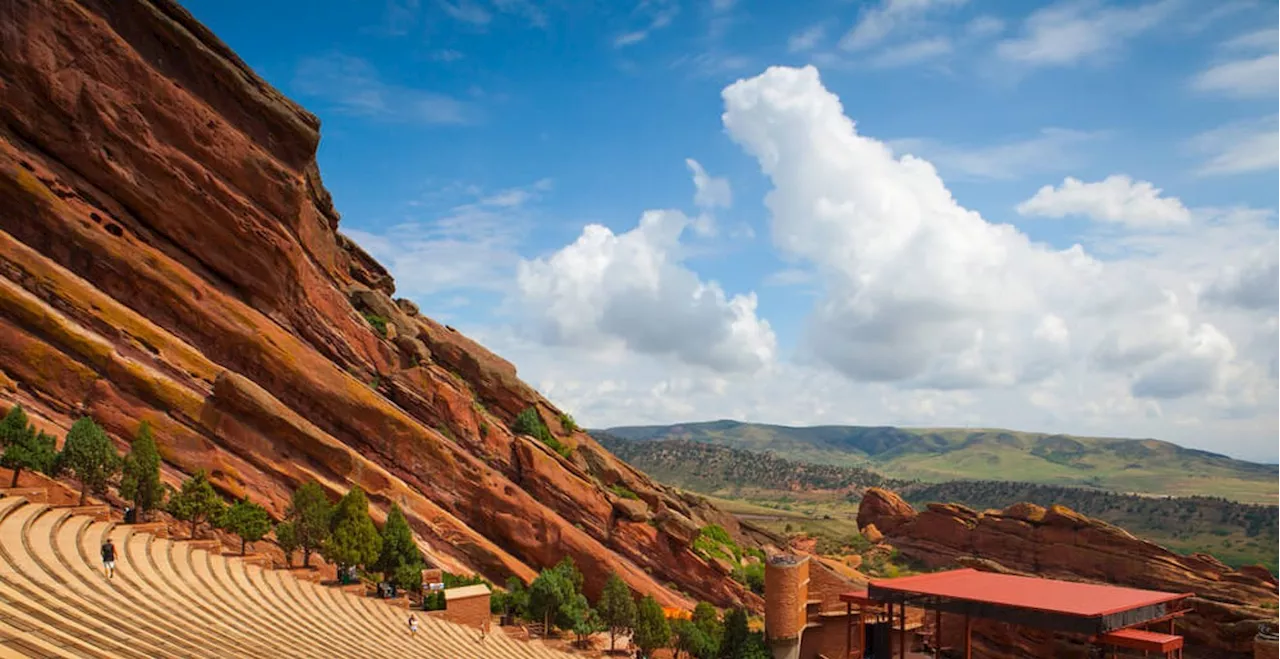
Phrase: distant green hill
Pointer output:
(1145, 466)
(822, 498)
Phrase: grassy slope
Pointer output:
(941, 454)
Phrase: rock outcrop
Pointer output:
(1060, 543)
(169, 253)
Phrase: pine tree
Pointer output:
(736, 636)
(353, 539)
(140, 480)
(287, 538)
(196, 502)
(400, 561)
(14, 425)
(247, 520)
(24, 446)
(617, 609)
(652, 631)
(706, 620)
(309, 513)
(90, 457)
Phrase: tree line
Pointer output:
(343, 532)
(555, 600)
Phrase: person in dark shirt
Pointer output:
(109, 558)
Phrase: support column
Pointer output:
(902, 633)
(937, 633)
(848, 629)
(968, 637)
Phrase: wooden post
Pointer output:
(937, 633)
(849, 628)
(902, 633)
(968, 643)
(890, 652)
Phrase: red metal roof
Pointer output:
(1138, 639)
(1063, 597)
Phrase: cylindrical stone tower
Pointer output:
(786, 591)
(1266, 645)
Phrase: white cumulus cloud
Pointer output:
(922, 291)
(608, 292)
(1116, 199)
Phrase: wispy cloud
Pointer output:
(446, 55)
(658, 14)
(352, 86)
(913, 52)
(1249, 77)
(1072, 31)
(1052, 149)
(466, 11)
(457, 240)
(807, 39)
(1239, 147)
(876, 22)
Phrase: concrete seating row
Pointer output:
(184, 599)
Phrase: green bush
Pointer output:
(529, 423)
(378, 323)
(622, 491)
(567, 422)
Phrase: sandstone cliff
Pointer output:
(1060, 543)
(168, 253)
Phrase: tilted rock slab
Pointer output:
(168, 253)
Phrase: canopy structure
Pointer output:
(1106, 614)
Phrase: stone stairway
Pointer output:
(184, 599)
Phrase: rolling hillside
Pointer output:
(1144, 466)
(821, 499)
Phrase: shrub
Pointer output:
(529, 423)
(567, 422)
(378, 323)
(622, 491)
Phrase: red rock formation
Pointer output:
(1063, 544)
(168, 253)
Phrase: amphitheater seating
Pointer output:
(183, 599)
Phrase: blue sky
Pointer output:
(468, 143)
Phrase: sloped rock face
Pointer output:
(168, 253)
(1063, 544)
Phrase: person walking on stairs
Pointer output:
(413, 624)
(109, 558)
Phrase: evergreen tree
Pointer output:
(247, 520)
(514, 602)
(400, 560)
(707, 620)
(90, 457)
(287, 538)
(196, 502)
(140, 479)
(14, 425)
(24, 446)
(687, 637)
(617, 609)
(553, 595)
(736, 637)
(579, 617)
(353, 539)
(651, 631)
(309, 515)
